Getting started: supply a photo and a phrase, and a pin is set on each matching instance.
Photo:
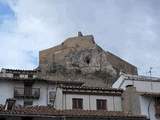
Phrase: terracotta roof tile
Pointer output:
(19, 71)
(44, 80)
(91, 90)
(50, 111)
(141, 78)
(150, 94)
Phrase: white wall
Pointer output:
(6, 75)
(44, 89)
(7, 91)
(63, 101)
(141, 86)
(43, 99)
(117, 103)
(118, 82)
(89, 101)
(147, 107)
(59, 99)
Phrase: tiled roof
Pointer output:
(140, 77)
(19, 71)
(44, 80)
(150, 94)
(92, 90)
(50, 111)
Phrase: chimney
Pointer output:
(80, 34)
(3, 70)
(10, 103)
(131, 103)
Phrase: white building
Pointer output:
(144, 93)
(89, 98)
(62, 95)
(33, 98)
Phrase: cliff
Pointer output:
(80, 58)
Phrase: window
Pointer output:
(101, 104)
(27, 90)
(51, 97)
(157, 107)
(158, 101)
(77, 103)
(16, 75)
(26, 118)
(30, 75)
(28, 102)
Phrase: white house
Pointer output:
(62, 95)
(89, 98)
(27, 89)
(34, 98)
(144, 92)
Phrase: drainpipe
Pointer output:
(47, 94)
(113, 104)
(89, 102)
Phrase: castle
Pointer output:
(79, 80)
(80, 58)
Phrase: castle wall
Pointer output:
(121, 64)
(82, 54)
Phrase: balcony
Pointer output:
(33, 93)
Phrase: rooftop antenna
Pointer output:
(150, 71)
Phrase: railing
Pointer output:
(27, 93)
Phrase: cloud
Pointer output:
(130, 29)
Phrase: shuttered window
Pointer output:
(27, 90)
(101, 104)
(28, 102)
(77, 103)
(157, 107)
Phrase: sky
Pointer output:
(128, 28)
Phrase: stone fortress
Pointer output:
(78, 80)
(81, 59)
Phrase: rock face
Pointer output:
(80, 58)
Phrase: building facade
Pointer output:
(142, 92)
(34, 92)
(73, 81)
(24, 96)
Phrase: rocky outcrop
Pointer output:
(80, 58)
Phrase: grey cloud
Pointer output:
(128, 28)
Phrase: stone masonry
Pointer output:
(80, 58)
